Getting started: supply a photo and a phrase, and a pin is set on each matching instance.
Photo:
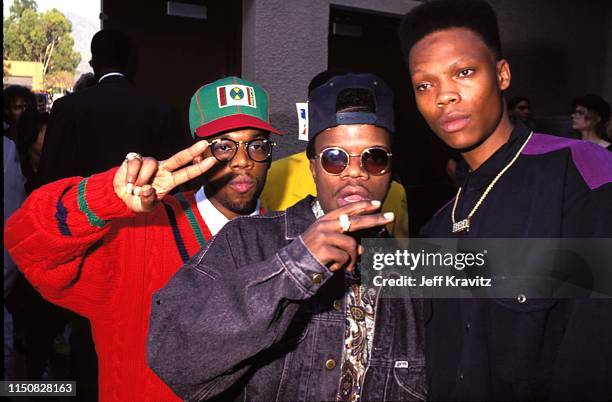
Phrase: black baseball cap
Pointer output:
(323, 105)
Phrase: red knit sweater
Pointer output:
(106, 272)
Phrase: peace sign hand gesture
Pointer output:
(142, 182)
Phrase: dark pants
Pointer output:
(36, 323)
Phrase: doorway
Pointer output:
(365, 41)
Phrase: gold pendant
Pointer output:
(461, 226)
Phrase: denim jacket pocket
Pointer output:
(410, 381)
(399, 380)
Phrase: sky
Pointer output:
(86, 8)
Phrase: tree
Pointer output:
(61, 80)
(43, 37)
(19, 6)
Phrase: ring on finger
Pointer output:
(345, 222)
(133, 155)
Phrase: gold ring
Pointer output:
(133, 155)
(345, 222)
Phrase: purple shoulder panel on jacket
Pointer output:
(592, 161)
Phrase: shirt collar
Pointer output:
(214, 219)
(482, 176)
(110, 75)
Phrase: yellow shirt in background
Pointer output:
(289, 180)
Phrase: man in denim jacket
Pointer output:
(273, 308)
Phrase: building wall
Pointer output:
(284, 45)
(20, 72)
(557, 49)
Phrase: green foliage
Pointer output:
(44, 37)
(19, 6)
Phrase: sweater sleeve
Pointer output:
(55, 238)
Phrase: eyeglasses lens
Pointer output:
(334, 160)
(375, 161)
(224, 150)
(259, 150)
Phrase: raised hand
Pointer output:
(326, 238)
(142, 182)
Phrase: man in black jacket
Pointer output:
(513, 184)
(92, 130)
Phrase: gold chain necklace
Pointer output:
(465, 223)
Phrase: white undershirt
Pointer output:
(109, 75)
(214, 219)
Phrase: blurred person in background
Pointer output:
(16, 100)
(590, 117)
(14, 195)
(86, 80)
(42, 101)
(519, 110)
(37, 324)
(30, 130)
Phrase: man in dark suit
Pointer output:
(92, 130)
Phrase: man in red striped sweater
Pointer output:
(102, 245)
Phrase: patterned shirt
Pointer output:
(358, 333)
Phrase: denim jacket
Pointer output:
(252, 317)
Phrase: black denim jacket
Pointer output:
(251, 317)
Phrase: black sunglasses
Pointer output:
(376, 160)
(258, 150)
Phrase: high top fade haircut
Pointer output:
(348, 100)
(437, 15)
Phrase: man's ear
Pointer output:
(504, 76)
(313, 170)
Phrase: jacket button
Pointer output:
(330, 364)
(317, 278)
(337, 305)
(521, 298)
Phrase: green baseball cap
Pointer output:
(228, 104)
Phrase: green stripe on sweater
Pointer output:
(84, 208)
(192, 219)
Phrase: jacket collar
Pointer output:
(482, 176)
(299, 217)
(113, 80)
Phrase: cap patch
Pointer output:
(302, 113)
(236, 95)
